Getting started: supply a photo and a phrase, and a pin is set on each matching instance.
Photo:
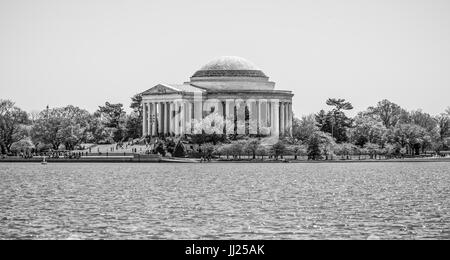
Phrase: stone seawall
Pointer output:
(85, 160)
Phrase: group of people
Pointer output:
(52, 155)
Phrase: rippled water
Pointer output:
(225, 201)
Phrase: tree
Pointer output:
(298, 149)
(208, 150)
(252, 146)
(314, 151)
(339, 104)
(389, 113)
(262, 151)
(443, 122)
(319, 144)
(391, 150)
(224, 149)
(367, 130)
(345, 150)
(323, 121)
(96, 132)
(372, 149)
(12, 121)
(113, 118)
(136, 105)
(66, 125)
(133, 126)
(304, 128)
(210, 129)
(410, 136)
(279, 149)
(335, 121)
(423, 120)
(236, 149)
(74, 126)
(22, 146)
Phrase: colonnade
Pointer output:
(270, 117)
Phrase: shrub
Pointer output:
(22, 146)
(170, 146)
(160, 149)
(180, 150)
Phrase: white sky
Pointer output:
(86, 52)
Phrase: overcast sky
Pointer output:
(86, 52)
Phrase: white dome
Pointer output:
(231, 73)
(229, 63)
(230, 67)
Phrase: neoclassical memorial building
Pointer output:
(229, 95)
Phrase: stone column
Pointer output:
(253, 116)
(229, 109)
(177, 117)
(291, 118)
(259, 117)
(282, 117)
(183, 117)
(172, 118)
(157, 118)
(192, 117)
(198, 111)
(240, 105)
(287, 119)
(144, 119)
(188, 128)
(149, 119)
(153, 118)
(224, 115)
(166, 118)
(263, 116)
(220, 108)
(275, 118)
(162, 115)
(166, 115)
(253, 105)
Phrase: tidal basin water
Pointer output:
(225, 201)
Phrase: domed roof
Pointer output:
(229, 66)
(229, 63)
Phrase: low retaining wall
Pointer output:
(85, 160)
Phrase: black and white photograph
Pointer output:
(224, 121)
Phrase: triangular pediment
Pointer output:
(161, 89)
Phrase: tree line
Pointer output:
(384, 129)
(68, 127)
